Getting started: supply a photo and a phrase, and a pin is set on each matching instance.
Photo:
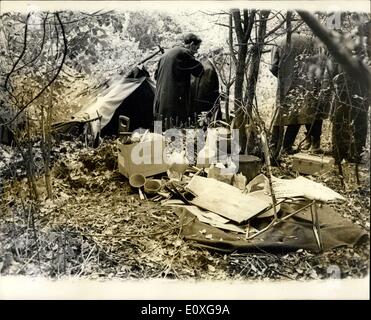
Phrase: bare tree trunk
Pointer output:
(227, 93)
(47, 143)
(243, 32)
(29, 166)
(368, 37)
(253, 72)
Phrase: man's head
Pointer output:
(192, 42)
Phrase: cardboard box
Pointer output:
(145, 158)
(311, 164)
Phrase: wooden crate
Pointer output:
(311, 164)
(152, 163)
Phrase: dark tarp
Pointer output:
(292, 234)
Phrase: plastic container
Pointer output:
(137, 180)
(249, 166)
(152, 186)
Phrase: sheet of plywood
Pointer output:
(224, 199)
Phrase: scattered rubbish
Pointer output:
(218, 146)
(178, 164)
(303, 187)
(211, 268)
(172, 202)
(260, 182)
(138, 181)
(152, 186)
(124, 125)
(249, 166)
(144, 156)
(312, 164)
(224, 199)
(220, 172)
(239, 181)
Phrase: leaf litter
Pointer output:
(97, 227)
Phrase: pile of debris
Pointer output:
(163, 224)
(229, 210)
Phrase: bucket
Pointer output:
(249, 166)
(152, 186)
(137, 180)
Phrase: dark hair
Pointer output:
(191, 37)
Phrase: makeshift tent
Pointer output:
(131, 96)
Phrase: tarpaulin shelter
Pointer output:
(131, 96)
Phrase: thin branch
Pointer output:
(41, 47)
(69, 22)
(223, 25)
(215, 14)
(230, 35)
(52, 80)
(274, 29)
(22, 53)
(298, 26)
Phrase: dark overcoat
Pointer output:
(205, 89)
(300, 70)
(349, 116)
(173, 76)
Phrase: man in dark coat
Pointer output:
(349, 116)
(299, 69)
(205, 91)
(173, 76)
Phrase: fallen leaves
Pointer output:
(95, 226)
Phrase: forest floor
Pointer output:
(97, 227)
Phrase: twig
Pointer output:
(41, 46)
(50, 82)
(22, 53)
(29, 260)
(86, 261)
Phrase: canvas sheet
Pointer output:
(106, 105)
(293, 234)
